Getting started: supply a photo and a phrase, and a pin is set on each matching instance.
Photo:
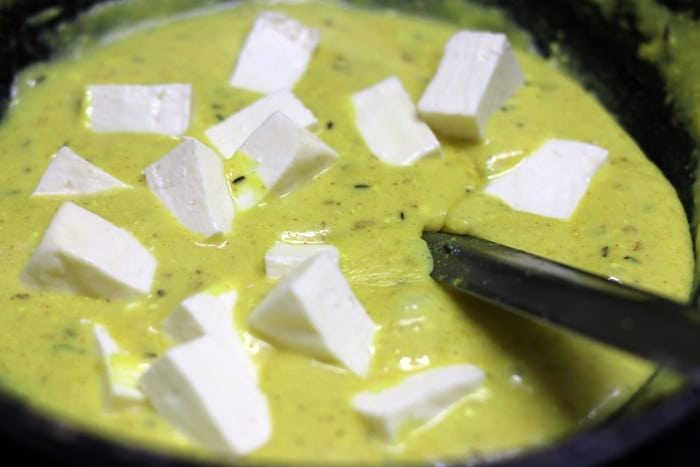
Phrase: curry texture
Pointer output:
(542, 384)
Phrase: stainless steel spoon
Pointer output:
(634, 320)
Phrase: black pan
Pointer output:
(602, 52)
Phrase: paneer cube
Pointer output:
(157, 108)
(287, 155)
(228, 135)
(190, 181)
(476, 76)
(206, 314)
(552, 181)
(284, 257)
(199, 389)
(82, 253)
(70, 174)
(313, 310)
(389, 124)
(418, 399)
(275, 54)
(121, 372)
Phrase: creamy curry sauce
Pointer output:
(541, 383)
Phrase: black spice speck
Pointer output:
(361, 186)
(604, 251)
(238, 179)
(330, 124)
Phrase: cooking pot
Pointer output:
(602, 53)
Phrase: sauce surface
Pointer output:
(542, 384)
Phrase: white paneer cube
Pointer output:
(551, 181)
(389, 124)
(275, 54)
(190, 181)
(418, 399)
(104, 342)
(70, 174)
(287, 155)
(314, 311)
(157, 108)
(228, 135)
(284, 257)
(205, 314)
(122, 372)
(229, 299)
(82, 253)
(203, 393)
(477, 74)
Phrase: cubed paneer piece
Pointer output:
(82, 253)
(552, 181)
(228, 135)
(287, 155)
(275, 55)
(478, 73)
(190, 181)
(202, 392)
(70, 174)
(314, 311)
(389, 124)
(418, 399)
(284, 257)
(156, 108)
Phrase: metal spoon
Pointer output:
(634, 320)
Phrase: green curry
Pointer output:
(542, 384)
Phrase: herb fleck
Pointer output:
(604, 251)
(238, 179)
(361, 225)
(330, 124)
(219, 116)
(402, 215)
(160, 292)
(361, 186)
(631, 259)
(20, 296)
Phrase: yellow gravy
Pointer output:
(541, 384)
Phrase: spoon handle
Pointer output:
(628, 318)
